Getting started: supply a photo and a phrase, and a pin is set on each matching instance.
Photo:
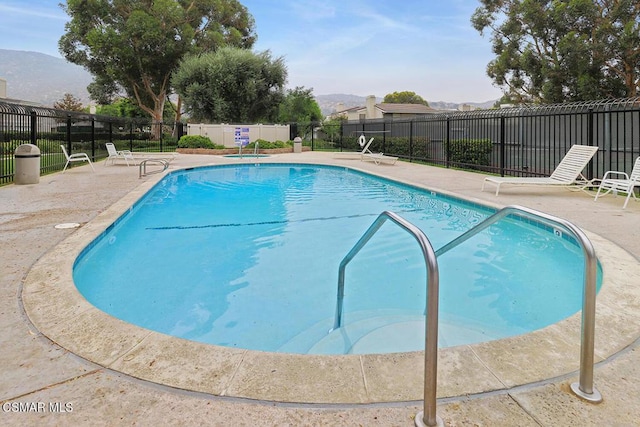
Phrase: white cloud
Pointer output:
(30, 11)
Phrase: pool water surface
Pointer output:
(247, 256)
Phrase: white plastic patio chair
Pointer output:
(377, 158)
(136, 157)
(567, 173)
(356, 154)
(114, 154)
(75, 157)
(615, 181)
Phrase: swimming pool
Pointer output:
(280, 231)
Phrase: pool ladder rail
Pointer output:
(142, 169)
(255, 149)
(428, 417)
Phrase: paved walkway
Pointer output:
(42, 384)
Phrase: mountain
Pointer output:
(442, 105)
(44, 79)
(328, 103)
(40, 78)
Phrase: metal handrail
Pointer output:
(142, 169)
(428, 416)
(584, 388)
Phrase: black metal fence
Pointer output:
(527, 141)
(78, 132)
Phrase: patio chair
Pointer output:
(568, 173)
(621, 183)
(356, 155)
(136, 157)
(75, 157)
(377, 158)
(162, 155)
(114, 155)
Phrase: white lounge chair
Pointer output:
(135, 157)
(356, 155)
(377, 158)
(621, 183)
(163, 155)
(567, 173)
(115, 155)
(75, 157)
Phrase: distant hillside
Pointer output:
(328, 103)
(442, 105)
(44, 79)
(40, 78)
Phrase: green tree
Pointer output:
(121, 107)
(231, 85)
(69, 103)
(405, 97)
(299, 106)
(103, 90)
(332, 128)
(136, 45)
(555, 51)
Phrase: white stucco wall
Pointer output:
(225, 134)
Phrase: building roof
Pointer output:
(389, 108)
(346, 110)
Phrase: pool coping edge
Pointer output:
(59, 311)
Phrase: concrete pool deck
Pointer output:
(519, 381)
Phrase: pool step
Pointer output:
(375, 335)
(383, 334)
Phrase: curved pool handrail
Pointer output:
(584, 388)
(428, 416)
(142, 169)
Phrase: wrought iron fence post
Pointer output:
(34, 128)
(131, 135)
(384, 136)
(410, 140)
(93, 136)
(446, 142)
(160, 133)
(590, 140)
(313, 127)
(502, 147)
(68, 135)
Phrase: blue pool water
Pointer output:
(247, 256)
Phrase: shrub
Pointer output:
(469, 152)
(264, 144)
(196, 141)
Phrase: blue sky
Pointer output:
(355, 46)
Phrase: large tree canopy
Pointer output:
(231, 85)
(555, 51)
(137, 44)
(405, 97)
(299, 106)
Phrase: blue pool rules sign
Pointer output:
(241, 137)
